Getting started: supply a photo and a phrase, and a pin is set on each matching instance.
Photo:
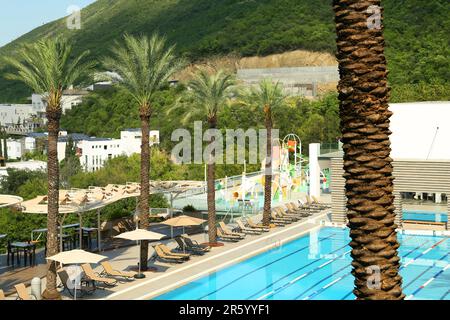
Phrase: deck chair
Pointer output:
(159, 254)
(226, 237)
(169, 252)
(275, 217)
(292, 208)
(182, 246)
(283, 214)
(22, 292)
(2, 295)
(307, 206)
(229, 232)
(320, 204)
(313, 205)
(247, 230)
(251, 224)
(92, 275)
(83, 290)
(108, 270)
(194, 244)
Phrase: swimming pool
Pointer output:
(419, 215)
(317, 267)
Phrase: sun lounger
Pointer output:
(229, 232)
(318, 203)
(307, 206)
(292, 208)
(2, 295)
(108, 270)
(311, 203)
(261, 227)
(159, 254)
(276, 219)
(91, 275)
(282, 214)
(169, 252)
(182, 246)
(22, 292)
(84, 288)
(192, 243)
(226, 237)
(248, 230)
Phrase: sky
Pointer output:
(18, 17)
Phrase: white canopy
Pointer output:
(140, 234)
(76, 257)
(8, 200)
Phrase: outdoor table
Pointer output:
(28, 249)
(87, 234)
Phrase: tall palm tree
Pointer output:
(268, 95)
(209, 93)
(143, 65)
(363, 95)
(49, 67)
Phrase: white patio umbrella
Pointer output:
(139, 235)
(76, 257)
(183, 221)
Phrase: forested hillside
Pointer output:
(417, 32)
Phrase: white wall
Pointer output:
(14, 149)
(12, 113)
(96, 152)
(414, 130)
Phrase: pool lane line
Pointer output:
(426, 283)
(445, 295)
(401, 267)
(310, 272)
(423, 272)
(423, 253)
(180, 283)
(343, 277)
(302, 276)
(289, 274)
(263, 266)
(322, 280)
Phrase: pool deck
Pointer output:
(170, 276)
(157, 283)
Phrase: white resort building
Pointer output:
(94, 152)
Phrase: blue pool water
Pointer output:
(419, 215)
(317, 267)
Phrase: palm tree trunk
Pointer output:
(53, 118)
(268, 169)
(211, 190)
(145, 182)
(363, 94)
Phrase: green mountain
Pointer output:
(417, 32)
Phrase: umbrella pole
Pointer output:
(139, 275)
(81, 231)
(99, 240)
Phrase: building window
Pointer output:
(105, 147)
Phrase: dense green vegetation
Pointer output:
(416, 32)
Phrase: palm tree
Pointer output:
(209, 93)
(143, 66)
(268, 96)
(363, 95)
(49, 67)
